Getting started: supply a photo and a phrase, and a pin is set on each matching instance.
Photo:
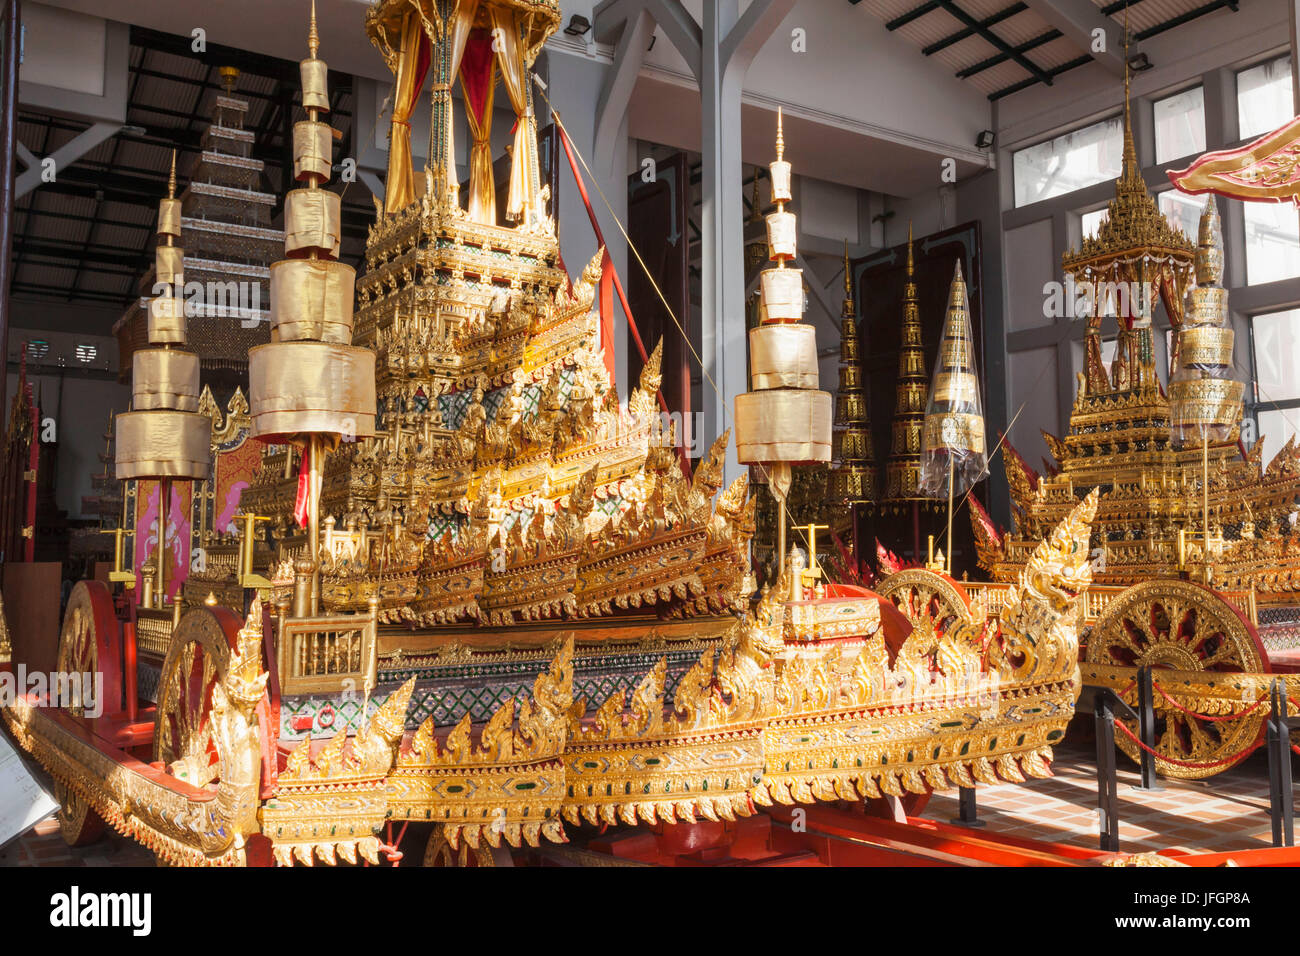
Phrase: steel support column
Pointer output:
(8, 145)
(730, 43)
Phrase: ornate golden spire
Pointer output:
(171, 178)
(848, 283)
(780, 136)
(853, 477)
(313, 38)
(903, 470)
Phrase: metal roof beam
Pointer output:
(997, 58)
(1190, 15)
(1078, 21)
(914, 14)
(998, 43)
(66, 155)
(968, 32)
(1025, 84)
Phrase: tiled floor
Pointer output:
(1229, 811)
(1226, 812)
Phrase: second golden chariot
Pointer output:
(474, 593)
(1195, 565)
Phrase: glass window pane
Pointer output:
(1180, 125)
(1090, 222)
(1264, 97)
(1069, 162)
(1276, 427)
(1183, 211)
(1272, 242)
(1277, 355)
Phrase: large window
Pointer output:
(1272, 241)
(1275, 338)
(1264, 97)
(1180, 125)
(1183, 211)
(1090, 222)
(1082, 158)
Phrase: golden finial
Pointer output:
(171, 178)
(313, 38)
(848, 279)
(780, 136)
(909, 250)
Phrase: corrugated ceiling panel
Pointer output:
(966, 52)
(1060, 51)
(930, 28)
(889, 9)
(998, 77)
(1021, 28)
(1144, 14)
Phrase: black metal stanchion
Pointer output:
(1107, 790)
(1147, 728)
(967, 808)
(1281, 795)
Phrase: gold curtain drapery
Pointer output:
(412, 63)
(514, 72)
(458, 29)
(482, 184)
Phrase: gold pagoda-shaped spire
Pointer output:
(1135, 257)
(854, 476)
(902, 472)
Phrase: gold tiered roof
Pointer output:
(1134, 224)
(504, 482)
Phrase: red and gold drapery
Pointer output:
(478, 81)
(514, 72)
(458, 30)
(412, 66)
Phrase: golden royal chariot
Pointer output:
(1195, 563)
(474, 594)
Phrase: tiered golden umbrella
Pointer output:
(310, 386)
(164, 437)
(785, 420)
(1204, 398)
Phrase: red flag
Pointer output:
(304, 493)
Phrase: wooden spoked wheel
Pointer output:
(78, 823)
(196, 660)
(438, 852)
(1182, 626)
(89, 644)
(920, 593)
